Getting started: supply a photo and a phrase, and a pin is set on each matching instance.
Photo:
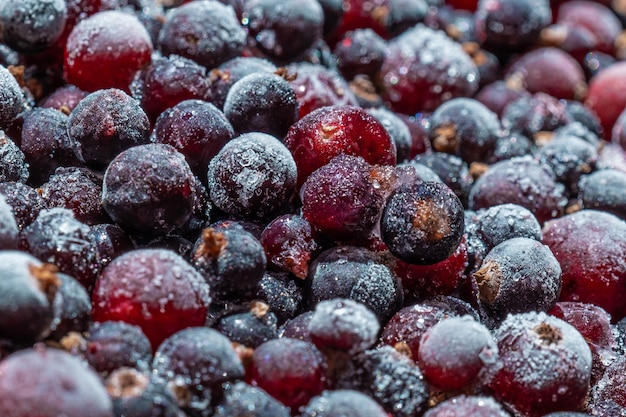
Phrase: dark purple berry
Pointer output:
(423, 223)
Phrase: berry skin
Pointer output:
(423, 223)
(344, 198)
(261, 102)
(290, 370)
(28, 290)
(31, 25)
(252, 176)
(545, 365)
(344, 403)
(603, 96)
(50, 382)
(330, 131)
(456, 352)
(290, 244)
(155, 289)
(597, 277)
(71, 307)
(11, 98)
(105, 123)
(343, 324)
(197, 361)
(105, 50)
(412, 79)
(149, 189)
(464, 406)
(518, 275)
(522, 181)
(205, 31)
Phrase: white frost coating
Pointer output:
(253, 174)
(344, 324)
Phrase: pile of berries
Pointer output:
(312, 208)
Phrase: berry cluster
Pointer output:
(312, 208)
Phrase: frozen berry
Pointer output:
(545, 365)
(330, 131)
(149, 189)
(105, 50)
(155, 289)
(423, 68)
(207, 32)
(344, 403)
(423, 223)
(290, 370)
(105, 123)
(596, 277)
(49, 382)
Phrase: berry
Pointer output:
(283, 32)
(561, 76)
(154, 289)
(423, 223)
(135, 394)
(343, 324)
(249, 328)
(290, 370)
(462, 406)
(149, 189)
(49, 382)
(105, 50)
(104, 124)
(358, 274)
(518, 275)
(422, 282)
(522, 181)
(423, 68)
(71, 307)
(167, 81)
(31, 25)
(602, 190)
(456, 352)
(253, 176)
(344, 403)
(46, 143)
(207, 32)
(390, 378)
(261, 102)
(317, 86)
(345, 197)
(197, 360)
(599, 235)
(28, 288)
(290, 244)
(511, 25)
(245, 400)
(56, 236)
(13, 165)
(111, 345)
(464, 127)
(330, 131)
(197, 129)
(231, 260)
(545, 365)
